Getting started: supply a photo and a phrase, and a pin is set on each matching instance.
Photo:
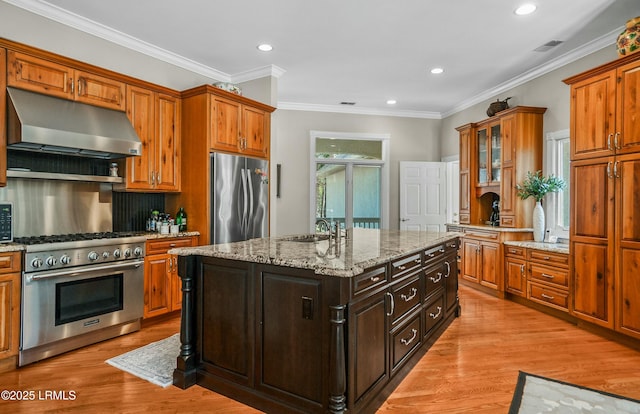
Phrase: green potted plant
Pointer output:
(538, 186)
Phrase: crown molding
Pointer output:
(294, 106)
(51, 12)
(270, 70)
(595, 45)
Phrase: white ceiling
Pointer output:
(363, 51)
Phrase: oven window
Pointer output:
(88, 297)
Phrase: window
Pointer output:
(350, 178)
(557, 160)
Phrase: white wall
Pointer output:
(412, 139)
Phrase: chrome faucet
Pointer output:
(334, 234)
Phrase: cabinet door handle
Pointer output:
(547, 296)
(609, 170)
(615, 170)
(414, 334)
(615, 141)
(436, 315)
(73, 88)
(609, 141)
(436, 279)
(522, 270)
(448, 269)
(79, 86)
(410, 296)
(393, 304)
(547, 276)
(170, 264)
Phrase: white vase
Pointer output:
(538, 222)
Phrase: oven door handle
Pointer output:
(84, 270)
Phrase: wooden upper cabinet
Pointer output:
(44, 76)
(604, 114)
(156, 118)
(238, 125)
(3, 110)
(225, 120)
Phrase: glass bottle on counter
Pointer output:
(181, 219)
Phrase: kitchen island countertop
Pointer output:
(364, 248)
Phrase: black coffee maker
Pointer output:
(494, 219)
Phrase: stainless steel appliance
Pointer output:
(79, 289)
(240, 205)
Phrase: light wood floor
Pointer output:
(472, 368)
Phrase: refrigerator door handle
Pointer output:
(243, 225)
(250, 213)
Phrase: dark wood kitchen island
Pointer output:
(296, 324)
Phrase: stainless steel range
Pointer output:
(79, 289)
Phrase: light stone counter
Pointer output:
(550, 247)
(365, 248)
(156, 235)
(493, 228)
(11, 247)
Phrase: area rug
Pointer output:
(535, 394)
(154, 362)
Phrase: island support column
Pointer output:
(184, 375)
(337, 364)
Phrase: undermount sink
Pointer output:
(309, 238)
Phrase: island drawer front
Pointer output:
(406, 339)
(515, 251)
(10, 262)
(433, 280)
(433, 314)
(160, 246)
(433, 254)
(550, 275)
(507, 221)
(547, 296)
(405, 265)
(369, 280)
(553, 259)
(406, 296)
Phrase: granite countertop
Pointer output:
(492, 228)
(364, 248)
(11, 247)
(550, 247)
(156, 235)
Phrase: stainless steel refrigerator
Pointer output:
(240, 198)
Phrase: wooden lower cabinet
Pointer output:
(548, 279)
(481, 260)
(515, 270)
(10, 288)
(162, 285)
(288, 340)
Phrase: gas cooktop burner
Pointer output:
(58, 238)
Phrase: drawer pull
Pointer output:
(441, 250)
(545, 296)
(547, 276)
(401, 267)
(410, 296)
(432, 255)
(546, 258)
(417, 261)
(374, 279)
(436, 279)
(414, 334)
(453, 245)
(513, 251)
(437, 315)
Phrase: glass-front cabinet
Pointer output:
(489, 154)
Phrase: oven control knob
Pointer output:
(65, 260)
(127, 253)
(105, 255)
(93, 256)
(51, 261)
(36, 263)
(116, 253)
(137, 252)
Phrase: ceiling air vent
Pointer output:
(347, 103)
(548, 46)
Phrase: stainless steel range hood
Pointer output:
(43, 123)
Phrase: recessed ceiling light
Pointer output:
(525, 9)
(391, 102)
(265, 47)
(437, 71)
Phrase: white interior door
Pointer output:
(423, 196)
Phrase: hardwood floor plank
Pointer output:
(472, 368)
